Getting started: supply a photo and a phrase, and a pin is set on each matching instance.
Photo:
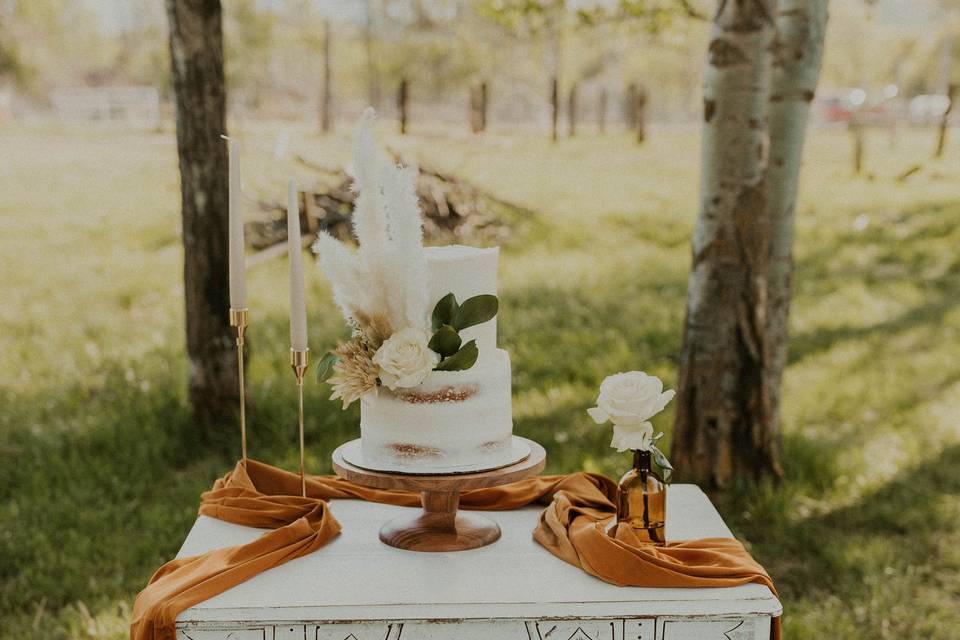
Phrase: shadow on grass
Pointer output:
(100, 486)
(890, 549)
(903, 251)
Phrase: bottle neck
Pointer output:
(641, 460)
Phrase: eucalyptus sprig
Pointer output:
(448, 319)
(660, 458)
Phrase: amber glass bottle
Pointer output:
(642, 500)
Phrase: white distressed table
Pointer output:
(357, 588)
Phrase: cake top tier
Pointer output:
(466, 272)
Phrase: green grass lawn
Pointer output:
(100, 469)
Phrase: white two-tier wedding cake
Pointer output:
(434, 388)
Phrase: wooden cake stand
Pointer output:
(440, 526)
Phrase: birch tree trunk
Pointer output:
(801, 25)
(196, 56)
(723, 421)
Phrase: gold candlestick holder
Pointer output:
(238, 320)
(299, 361)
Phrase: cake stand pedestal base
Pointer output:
(440, 526)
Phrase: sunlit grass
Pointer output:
(100, 469)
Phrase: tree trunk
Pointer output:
(945, 120)
(554, 107)
(630, 106)
(856, 131)
(478, 107)
(196, 55)
(403, 95)
(723, 422)
(369, 46)
(484, 96)
(602, 111)
(572, 111)
(640, 113)
(326, 118)
(801, 25)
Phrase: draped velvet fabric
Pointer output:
(571, 527)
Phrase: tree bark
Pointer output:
(801, 26)
(326, 117)
(196, 55)
(723, 420)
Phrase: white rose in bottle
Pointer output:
(636, 438)
(404, 359)
(629, 400)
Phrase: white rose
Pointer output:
(404, 359)
(633, 437)
(629, 400)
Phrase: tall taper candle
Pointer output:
(298, 306)
(238, 276)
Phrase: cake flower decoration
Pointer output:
(404, 359)
(382, 289)
(629, 400)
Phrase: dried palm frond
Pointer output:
(383, 286)
(406, 233)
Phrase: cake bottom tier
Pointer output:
(455, 419)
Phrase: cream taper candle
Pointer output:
(298, 306)
(238, 276)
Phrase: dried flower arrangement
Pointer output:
(381, 289)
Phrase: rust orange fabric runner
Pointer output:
(571, 527)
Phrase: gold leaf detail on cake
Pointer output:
(446, 394)
(354, 373)
(413, 451)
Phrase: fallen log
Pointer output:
(453, 209)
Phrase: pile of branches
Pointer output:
(454, 211)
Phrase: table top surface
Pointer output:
(356, 577)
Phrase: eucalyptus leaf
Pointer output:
(462, 359)
(445, 341)
(444, 311)
(662, 462)
(475, 310)
(326, 365)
